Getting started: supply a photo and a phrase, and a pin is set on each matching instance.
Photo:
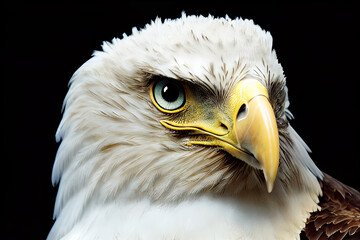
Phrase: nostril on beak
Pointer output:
(242, 112)
(224, 127)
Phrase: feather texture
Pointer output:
(339, 217)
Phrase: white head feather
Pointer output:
(112, 140)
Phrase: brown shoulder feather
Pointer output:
(339, 217)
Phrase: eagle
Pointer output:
(181, 131)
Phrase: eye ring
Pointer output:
(168, 95)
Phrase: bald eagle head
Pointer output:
(181, 108)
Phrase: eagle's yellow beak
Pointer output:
(247, 129)
(256, 127)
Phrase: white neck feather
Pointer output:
(247, 216)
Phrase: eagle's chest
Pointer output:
(203, 218)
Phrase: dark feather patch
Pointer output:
(339, 217)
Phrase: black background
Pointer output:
(317, 44)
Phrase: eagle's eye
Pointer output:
(168, 95)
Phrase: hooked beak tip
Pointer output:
(269, 183)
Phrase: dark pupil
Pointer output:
(170, 92)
